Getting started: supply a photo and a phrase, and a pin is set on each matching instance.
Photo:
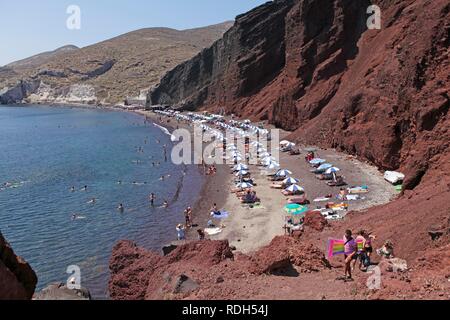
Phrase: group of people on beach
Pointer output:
(360, 248)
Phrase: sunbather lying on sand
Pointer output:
(250, 198)
(290, 193)
(278, 186)
(324, 176)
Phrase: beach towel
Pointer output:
(213, 231)
(336, 247)
(322, 199)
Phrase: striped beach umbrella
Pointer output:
(295, 188)
(244, 185)
(290, 181)
(283, 173)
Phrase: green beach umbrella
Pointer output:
(295, 209)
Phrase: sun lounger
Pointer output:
(322, 199)
(288, 193)
(324, 176)
(276, 186)
(357, 190)
(300, 200)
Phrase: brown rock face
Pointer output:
(17, 279)
(194, 269)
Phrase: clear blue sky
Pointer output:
(28, 27)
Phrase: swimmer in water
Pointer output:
(72, 189)
(165, 204)
(121, 208)
(162, 178)
(93, 201)
(152, 198)
(84, 188)
(119, 182)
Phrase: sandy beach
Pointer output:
(249, 228)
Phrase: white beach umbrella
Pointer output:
(241, 173)
(290, 181)
(264, 155)
(244, 185)
(283, 173)
(240, 167)
(284, 142)
(295, 188)
(273, 165)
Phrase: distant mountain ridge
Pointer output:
(107, 72)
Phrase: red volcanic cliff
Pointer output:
(17, 279)
(313, 67)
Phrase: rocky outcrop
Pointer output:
(18, 92)
(17, 279)
(59, 291)
(191, 270)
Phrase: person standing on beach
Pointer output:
(187, 218)
(180, 232)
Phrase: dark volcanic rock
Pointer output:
(17, 279)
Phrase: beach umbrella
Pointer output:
(324, 166)
(295, 209)
(295, 188)
(310, 149)
(269, 159)
(273, 165)
(317, 161)
(284, 142)
(264, 155)
(262, 150)
(241, 167)
(283, 173)
(244, 185)
(241, 173)
(332, 170)
(290, 181)
(237, 158)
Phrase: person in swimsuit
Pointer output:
(350, 254)
(121, 208)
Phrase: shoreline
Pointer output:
(250, 233)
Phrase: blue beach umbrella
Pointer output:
(324, 166)
(317, 161)
(332, 170)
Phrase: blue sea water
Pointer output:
(44, 151)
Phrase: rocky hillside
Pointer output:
(107, 72)
(17, 279)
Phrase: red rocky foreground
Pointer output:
(207, 269)
(17, 279)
